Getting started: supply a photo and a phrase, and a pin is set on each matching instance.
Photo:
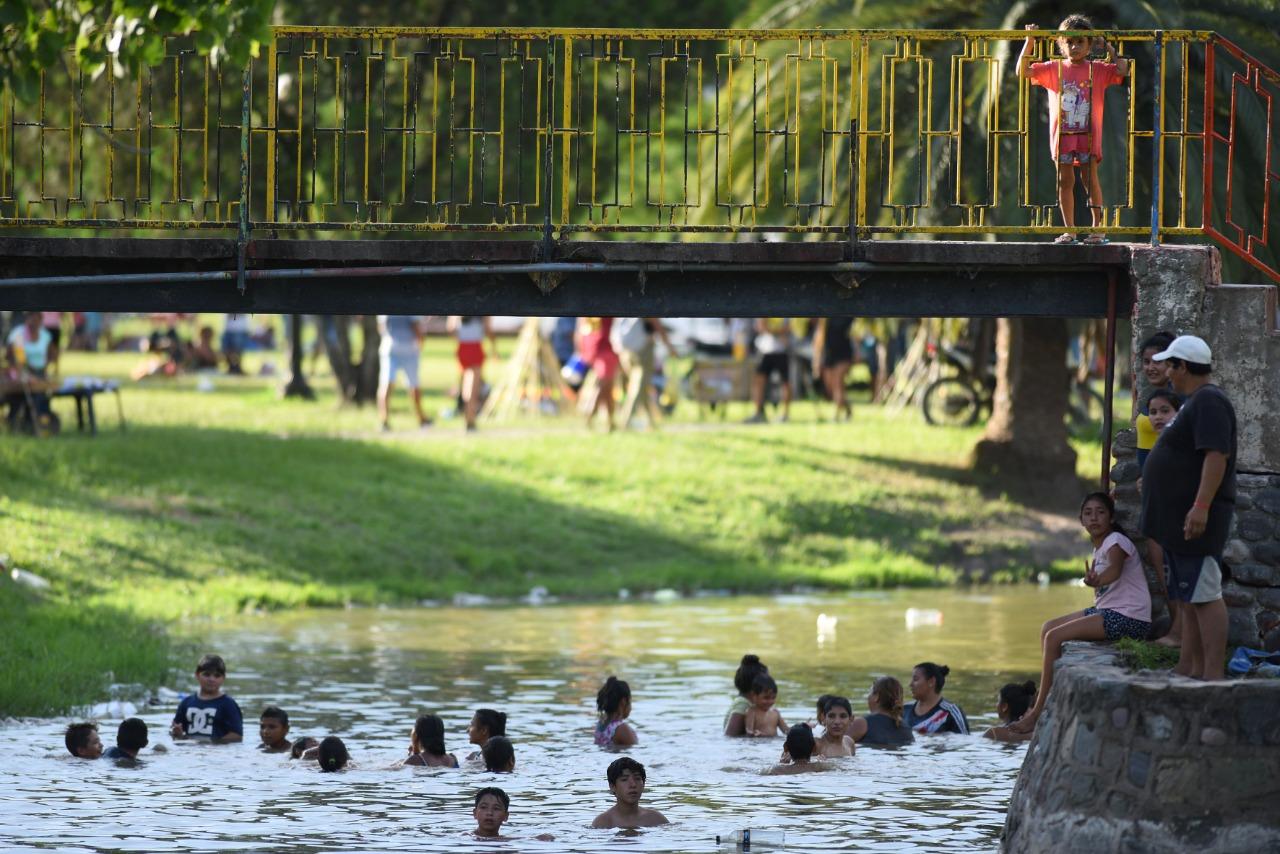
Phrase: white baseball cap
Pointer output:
(1188, 348)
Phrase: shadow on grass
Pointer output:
(359, 520)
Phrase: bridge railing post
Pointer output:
(1157, 144)
(242, 237)
(855, 250)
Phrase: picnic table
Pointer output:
(80, 389)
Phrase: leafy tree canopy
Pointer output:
(36, 35)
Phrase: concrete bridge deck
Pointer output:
(879, 278)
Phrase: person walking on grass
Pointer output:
(1188, 499)
(1076, 88)
(399, 351)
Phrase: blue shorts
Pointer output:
(235, 342)
(393, 362)
(1194, 578)
(1117, 625)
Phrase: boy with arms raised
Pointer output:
(209, 713)
(626, 782)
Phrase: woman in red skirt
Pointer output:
(597, 351)
(471, 332)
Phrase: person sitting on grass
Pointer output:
(332, 754)
(1012, 703)
(763, 720)
(83, 742)
(797, 753)
(883, 726)
(499, 755)
(485, 724)
(209, 713)
(426, 744)
(626, 782)
(835, 741)
(1121, 605)
(735, 720)
(930, 714)
(614, 706)
(131, 737)
(273, 729)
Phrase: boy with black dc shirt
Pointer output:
(209, 713)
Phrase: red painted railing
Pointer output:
(1224, 153)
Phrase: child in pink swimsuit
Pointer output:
(614, 705)
(1077, 87)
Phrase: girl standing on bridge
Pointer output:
(1077, 87)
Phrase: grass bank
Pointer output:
(220, 501)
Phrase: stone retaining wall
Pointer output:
(1148, 762)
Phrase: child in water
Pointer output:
(835, 741)
(485, 724)
(273, 729)
(490, 811)
(763, 720)
(83, 741)
(1121, 605)
(1012, 703)
(626, 782)
(333, 754)
(499, 755)
(426, 744)
(1076, 88)
(799, 747)
(613, 703)
(735, 719)
(209, 713)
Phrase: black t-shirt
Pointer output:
(1171, 475)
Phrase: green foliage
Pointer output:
(1145, 655)
(102, 35)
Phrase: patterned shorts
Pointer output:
(1117, 625)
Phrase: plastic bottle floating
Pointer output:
(827, 627)
(917, 617)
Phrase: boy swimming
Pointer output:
(799, 746)
(83, 741)
(499, 755)
(131, 737)
(626, 782)
(491, 809)
(209, 713)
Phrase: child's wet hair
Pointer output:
(132, 734)
(624, 763)
(275, 713)
(1018, 698)
(429, 731)
(77, 737)
(887, 693)
(763, 684)
(1076, 22)
(822, 704)
(301, 746)
(747, 670)
(212, 664)
(832, 702)
(333, 754)
(1164, 394)
(498, 753)
(937, 672)
(799, 743)
(610, 697)
(495, 792)
(493, 721)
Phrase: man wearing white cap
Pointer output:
(1188, 497)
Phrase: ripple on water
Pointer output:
(335, 673)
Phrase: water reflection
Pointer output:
(366, 674)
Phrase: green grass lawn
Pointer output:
(219, 501)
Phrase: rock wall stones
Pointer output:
(1148, 763)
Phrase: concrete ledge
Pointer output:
(1148, 762)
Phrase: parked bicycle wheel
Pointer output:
(951, 402)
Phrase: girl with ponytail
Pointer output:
(1012, 703)
(613, 703)
(426, 744)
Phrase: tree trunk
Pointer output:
(1025, 443)
(297, 386)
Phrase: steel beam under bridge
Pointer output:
(518, 277)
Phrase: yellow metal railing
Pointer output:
(404, 129)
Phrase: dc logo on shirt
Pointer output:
(200, 721)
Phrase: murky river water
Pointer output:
(365, 675)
